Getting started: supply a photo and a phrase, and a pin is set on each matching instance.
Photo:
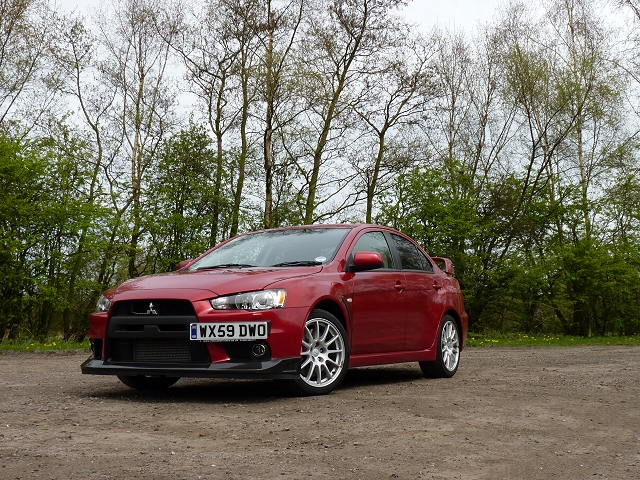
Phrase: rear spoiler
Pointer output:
(446, 263)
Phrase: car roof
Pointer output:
(349, 226)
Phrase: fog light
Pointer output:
(258, 350)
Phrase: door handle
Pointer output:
(437, 285)
(399, 286)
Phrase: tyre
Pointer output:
(325, 355)
(448, 351)
(146, 382)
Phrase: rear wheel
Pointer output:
(448, 351)
(325, 355)
(147, 382)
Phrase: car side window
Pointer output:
(375, 242)
(410, 256)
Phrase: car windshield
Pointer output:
(276, 248)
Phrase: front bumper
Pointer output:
(283, 368)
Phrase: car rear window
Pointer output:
(410, 256)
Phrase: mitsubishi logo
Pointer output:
(138, 309)
(152, 309)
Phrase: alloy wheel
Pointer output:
(323, 353)
(450, 344)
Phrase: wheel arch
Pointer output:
(333, 307)
(456, 317)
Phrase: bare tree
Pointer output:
(206, 46)
(281, 32)
(76, 62)
(220, 49)
(393, 96)
(244, 19)
(633, 5)
(629, 62)
(342, 36)
(27, 33)
(490, 118)
(135, 70)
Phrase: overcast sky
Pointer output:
(464, 14)
(458, 14)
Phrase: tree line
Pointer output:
(151, 130)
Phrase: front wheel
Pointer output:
(147, 382)
(325, 355)
(448, 351)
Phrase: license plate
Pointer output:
(225, 332)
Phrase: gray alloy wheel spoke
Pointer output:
(449, 333)
(324, 335)
(330, 360)
(332, 340)
(316, 332)
(308, 377)
(448, 360)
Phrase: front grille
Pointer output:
(145, 350)
(162, 308)
(154, 332)
(163, 351)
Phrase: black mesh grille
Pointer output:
(158, 350)
(162, 351)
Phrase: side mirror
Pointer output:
(363, 261)
(184, 263)
(444, 262)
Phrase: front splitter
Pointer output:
(281, 368)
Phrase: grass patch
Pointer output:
(50, 344)
(546, 339)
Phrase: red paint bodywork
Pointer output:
(390, 316)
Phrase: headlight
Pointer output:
(261, 300)
(103, 304)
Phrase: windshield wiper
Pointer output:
(226, 265)
(298, 263)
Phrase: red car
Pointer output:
(301, 304)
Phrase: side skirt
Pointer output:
(368, 359)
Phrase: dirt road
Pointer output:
(521, 413)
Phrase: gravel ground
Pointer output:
(521, 413)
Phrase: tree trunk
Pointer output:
(268, 131)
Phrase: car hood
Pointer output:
(219, 282)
